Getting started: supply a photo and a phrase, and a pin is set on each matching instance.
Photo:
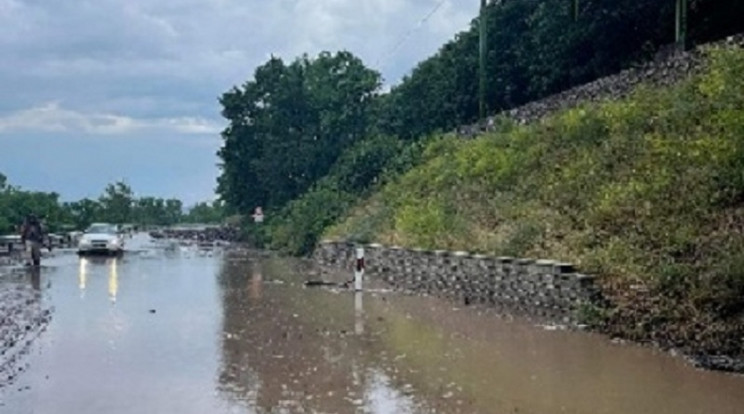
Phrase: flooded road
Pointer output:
(181, 330)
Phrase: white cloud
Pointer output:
(51, 117)
(177, 47)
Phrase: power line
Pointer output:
(410, 32)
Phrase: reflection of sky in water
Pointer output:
(381, 398)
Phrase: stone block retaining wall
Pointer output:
(541, 288)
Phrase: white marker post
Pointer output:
(359, 269)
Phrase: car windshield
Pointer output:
(101, 229)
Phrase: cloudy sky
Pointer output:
(93, 91)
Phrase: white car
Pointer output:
(101, 238)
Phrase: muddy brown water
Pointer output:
(183, 331)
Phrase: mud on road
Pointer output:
(23, 317)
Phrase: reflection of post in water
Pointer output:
(358, 313)
(83, 273)
(281, 348)
(113, 286)
(256, 281)
(36, 278)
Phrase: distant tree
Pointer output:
(16, 203)
(83, 212)
(117, 202)
(149, 210)
(173, 211)
(117, 205)
(205, 213)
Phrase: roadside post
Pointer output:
(258, 215)
(359, 269)
(258, 219)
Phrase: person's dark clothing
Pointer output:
(32, 231)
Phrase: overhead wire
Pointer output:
(410, 33)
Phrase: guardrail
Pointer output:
(9, 244)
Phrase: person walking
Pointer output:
(32, 235)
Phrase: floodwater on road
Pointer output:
(179, 330)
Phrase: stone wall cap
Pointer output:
(525, 261)
(581, 276)
(441, 252)
(544, 262)
(481, 256)
(375, 245)
(505, 259)
(461, 254)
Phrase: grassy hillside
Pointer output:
(647, 193)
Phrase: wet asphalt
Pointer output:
(177, 329)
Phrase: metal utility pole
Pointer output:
(482, 61)
(680, 24)
(576, 10)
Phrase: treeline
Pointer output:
(118, 204)
(535, 49)
(306, 138)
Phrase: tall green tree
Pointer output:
(288, 125)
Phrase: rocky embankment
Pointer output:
(669, 67)
(706, 341)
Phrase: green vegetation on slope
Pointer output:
(647, 191)
(295, 229)
(291, 122)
